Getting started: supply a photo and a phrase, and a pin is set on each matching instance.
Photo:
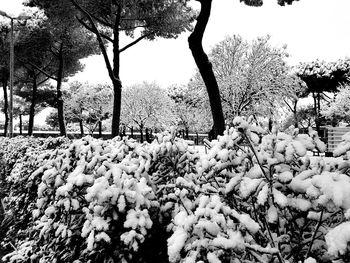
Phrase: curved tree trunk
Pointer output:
(205, 67)
(32, 107)
(6, 106)
(295, 113)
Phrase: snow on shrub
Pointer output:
(20, 156)
(254, 197)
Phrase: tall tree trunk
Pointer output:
(6, 105)
(60, 110)
(81, 127)
(205, 67)
(315, 111)
(100, 128)
(117, 85)
(32, 106)
(295, 113)
(141, 133)
(20, 124)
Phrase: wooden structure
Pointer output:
(334, 136)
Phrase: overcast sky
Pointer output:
(311, 29)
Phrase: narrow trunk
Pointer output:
(6, 106)
(205, 67)
(81, 127)
(147, 135)
(60, 110)
(32, 106)
(316, 113)
(141, 133)
(117, 85)
(117, 89)
(20, 124)
(100, 128)
(295, 113)
(113, 70)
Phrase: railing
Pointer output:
(197, 138)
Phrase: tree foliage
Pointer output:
(204, 65)
(321, 77)
(189, 110)
(88, 104)
(146, 105)
(339, 108)
(107, 19)
(69, 43)
(253, 77)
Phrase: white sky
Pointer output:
(310, 28)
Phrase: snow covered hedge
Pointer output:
(19, 157)
(254, 197)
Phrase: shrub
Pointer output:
(20, 156)
(254, 197)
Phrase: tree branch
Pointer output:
(100, 41)
(41, 70)
(135, 41)
(92, 30)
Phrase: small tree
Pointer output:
(305, 115)
(295, 89)
(339, 108)
(203, 63)
(89, 105)
(321, 77)
(252, 76)
(190, 110)
(146, 105)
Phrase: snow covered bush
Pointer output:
(97, 200)
(254, 197)
(20, 156)
(276, 202)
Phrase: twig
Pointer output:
(256, 156)
(314, 235)
(279, 256)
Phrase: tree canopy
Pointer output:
(252, 77)
(138, 19)
(203, 63)
(88, 104)
(321, 77)
(146, 105)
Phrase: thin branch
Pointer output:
(256, 155)
(92, 30)
(314, 235)
(131, 28)
(43, 71)
(43, 81)
(103, 22)
(290, 107)
(100, 41)
(135, 41)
